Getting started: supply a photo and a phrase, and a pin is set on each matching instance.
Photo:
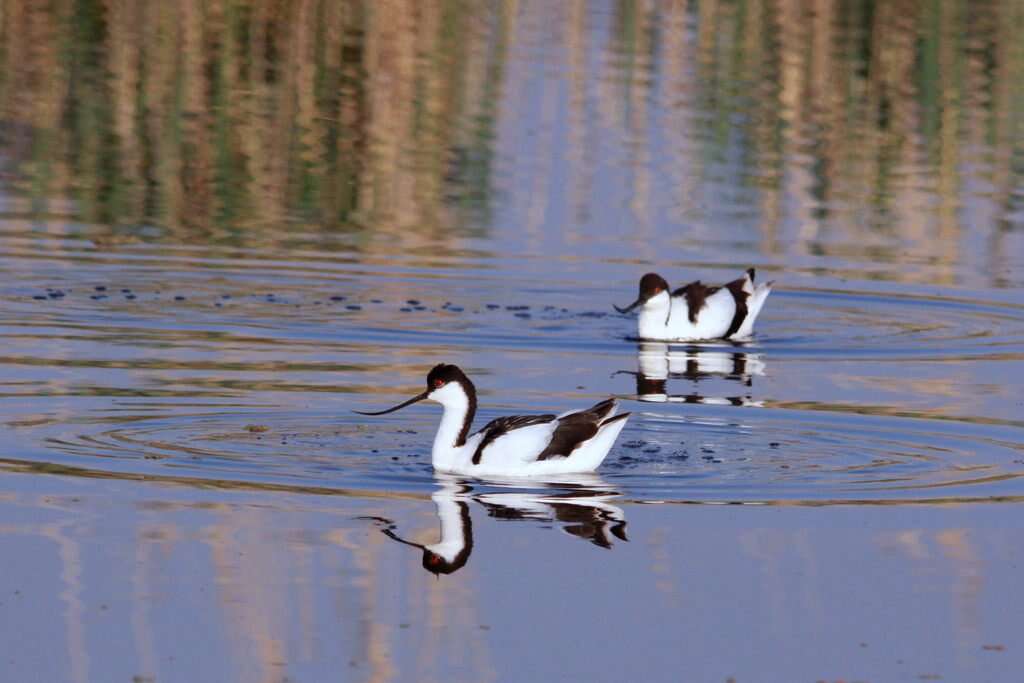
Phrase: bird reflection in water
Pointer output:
(580, 506)
(659, 362)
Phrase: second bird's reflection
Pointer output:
(659, 362)
(580, 505)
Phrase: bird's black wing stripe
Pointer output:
(503, 425)
(740, 297)
(601, 410)
(696, 294)
(572, 430)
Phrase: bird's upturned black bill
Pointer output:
(412, 400)
(628, 308)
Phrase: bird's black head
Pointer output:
(443, 374)
(651, 285)
(438, 378)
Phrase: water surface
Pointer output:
(223, 226)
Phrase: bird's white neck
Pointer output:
(450, 441)
(653, 315)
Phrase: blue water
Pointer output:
(224, 228)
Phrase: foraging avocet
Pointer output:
(697, 311)
(516, 445)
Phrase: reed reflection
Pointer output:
(882, 134)
(659, 362)
(581, 506)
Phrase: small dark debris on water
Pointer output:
(338, 298)
(354, 307)
(456, 309)
(376, 301)
(993, 648)
(40, 297)
(405, 309)
(705, 449)
(517, 308)
(419, 308)
(56, 294)
(225, 296)
(774, 444)
(652, 449)
(129, 296)
(394, 457)
(257, 429)
(100, 288)
(681, 455)
(97, 297)
(126, 291)
(492, 307)
(633, 444)
(179, 298)
(522, 315)
(413, 302)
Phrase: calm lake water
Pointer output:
(225, 225)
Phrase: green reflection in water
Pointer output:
(213, 119)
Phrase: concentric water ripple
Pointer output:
(846, 394)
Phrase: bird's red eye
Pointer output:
(438, 383)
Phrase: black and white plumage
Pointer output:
(697, 311)
(517, 445)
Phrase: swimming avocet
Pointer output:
(697, 311)
(516, 445)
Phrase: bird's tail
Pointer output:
(593, 453)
